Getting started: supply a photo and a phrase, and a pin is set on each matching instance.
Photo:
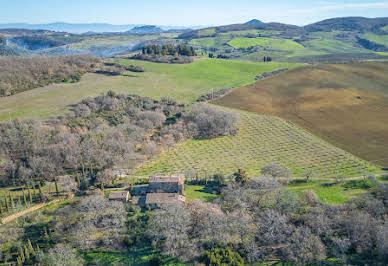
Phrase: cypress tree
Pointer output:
(31, 248)
(11, 200)
(29, 194)
(46, 235)
(78, 180)
(40, 191)
(56, 186)
(22, 258)
(34, 189)
(24, 198)
(91, 170)
(6, 204)
(26, 253)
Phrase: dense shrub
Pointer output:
(261, 220)
(207, 121)
(167, 59)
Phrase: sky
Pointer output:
(185, 13)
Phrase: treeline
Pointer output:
(100, 133)
(173, 50)
(19, 74)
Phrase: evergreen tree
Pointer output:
(31, 248)
(241, 176)
(21, 252)
(24, 197)
(26, 253)
(29, 194)
(40, 191)
(6, 204)
(56, 186)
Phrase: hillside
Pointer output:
(333, 40)
(186, 83)
(344, 104)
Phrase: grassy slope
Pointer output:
(210, 42)
(324, 100)
(241, 42)
(333, 46)
(183, 82)
(262, 140)
(380, 39)
(328, 191)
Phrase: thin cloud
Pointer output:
(340, 6)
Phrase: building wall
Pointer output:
(165, 187)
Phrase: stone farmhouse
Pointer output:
(165, 190)
(166, 184)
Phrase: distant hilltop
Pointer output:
(254, 21)
(146, 29)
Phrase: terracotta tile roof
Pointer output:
(164, 198)
(119, 195)
(169, 179)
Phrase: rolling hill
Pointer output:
(346, 104)
(332, 40)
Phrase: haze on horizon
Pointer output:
(174, 12)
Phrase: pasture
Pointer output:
(248, 42)
(262, 140)
(343, 104)
(380, 39)
(184, 82)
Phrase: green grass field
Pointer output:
(198, 192)
(249, 42)
(210, 42)
(380, 39)
(184, 82)
(280, 47)
(262, 140)
(333, 46)
(328, 191)
(207, 32)
(246, 32)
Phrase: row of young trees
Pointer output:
(24, 73)
(167, 49)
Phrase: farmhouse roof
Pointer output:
(167, 179)
(164, 198)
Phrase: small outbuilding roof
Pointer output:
(122, 195)
(164, 198)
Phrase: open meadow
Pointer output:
(343, 104)
(184, 82)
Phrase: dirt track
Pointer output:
(26, 211)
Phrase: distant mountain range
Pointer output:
(79, 28)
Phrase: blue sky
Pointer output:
(185, 13)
